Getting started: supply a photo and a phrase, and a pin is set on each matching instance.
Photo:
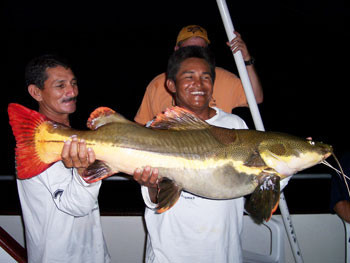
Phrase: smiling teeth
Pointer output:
(197, 93)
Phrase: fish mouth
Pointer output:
(327, 151)
(327, 155)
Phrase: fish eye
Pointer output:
(311, 143)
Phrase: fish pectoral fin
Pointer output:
(264, 200)
(97, 171)
(168, 195)
(255, 160)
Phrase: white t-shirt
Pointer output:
(197, 229)
(62, 217)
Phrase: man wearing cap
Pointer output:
(228, 90)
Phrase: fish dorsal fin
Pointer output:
(102, 116)
(177, 118)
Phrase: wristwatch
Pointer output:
(250, 62)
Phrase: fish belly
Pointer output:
(217, 179)
(219, 182)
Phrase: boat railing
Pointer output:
(12, 247)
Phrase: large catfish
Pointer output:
(190, 154)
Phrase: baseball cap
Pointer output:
(192, 31)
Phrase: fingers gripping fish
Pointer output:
(190, 154)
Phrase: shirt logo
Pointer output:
(57, 193)
(187, 196)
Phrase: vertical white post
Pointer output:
(226, 18)
(242, 70)
(288, 225)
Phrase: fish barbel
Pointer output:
(189, 153)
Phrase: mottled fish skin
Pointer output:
(199, 153)
(208, 161)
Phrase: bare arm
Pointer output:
(342, 208)
(238, 44)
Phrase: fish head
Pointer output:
(288, 154)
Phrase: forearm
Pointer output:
(69, 191)
(255, 82)
(80, 198)
(342, 208)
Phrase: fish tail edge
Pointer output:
(24, 123)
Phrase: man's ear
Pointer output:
(170, 85)
(35, 92)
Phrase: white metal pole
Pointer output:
(242, 70)
(226, 18)
(288, 225)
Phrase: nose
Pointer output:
(197, 82)
(71, 90)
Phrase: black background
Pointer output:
(118, 47)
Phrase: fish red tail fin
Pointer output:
(24, 123)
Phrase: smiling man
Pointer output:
(60, 211)
(191, 82)
(228, 89)
(195, 229)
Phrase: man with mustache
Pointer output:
(60, 211)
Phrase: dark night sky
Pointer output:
(116, 49)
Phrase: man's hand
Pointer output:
(76, 154)
(238, 44)
(148, 177)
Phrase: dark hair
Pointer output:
(35, 71)
(184, 53)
